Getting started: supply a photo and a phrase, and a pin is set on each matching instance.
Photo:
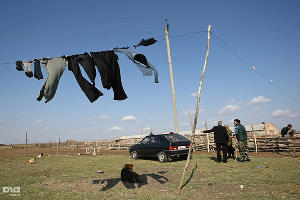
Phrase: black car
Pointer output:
(163, 146)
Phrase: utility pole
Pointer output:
(171, 76)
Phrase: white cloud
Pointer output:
(116, 128)
(129, 118)
(39, 121)
(19, 116)
(259, 99)
(281, 112)
(229, 109)
(194, 94)
(93, 123)
(186, 124)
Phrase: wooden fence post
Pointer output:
(207, 138)
(26, 144)
(255, 143)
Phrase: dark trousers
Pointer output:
(224, 150)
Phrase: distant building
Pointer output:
(261, 130)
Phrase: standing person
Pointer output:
(241, 136)
(221, 139)
(287, 131)
(230, 148)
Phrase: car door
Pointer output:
(143, 147)
(154, 147)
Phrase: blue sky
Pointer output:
(265, 34)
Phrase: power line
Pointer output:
(253, 67)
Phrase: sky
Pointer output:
(264, 34)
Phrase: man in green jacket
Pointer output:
(241, 136)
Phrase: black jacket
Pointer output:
(220, 134)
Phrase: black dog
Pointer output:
(130, 176)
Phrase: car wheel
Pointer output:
(134, 155)
(162, 157)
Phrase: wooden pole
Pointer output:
(57, 148)
(255, 143)
(197, 110)
(191, 121)
(207, 138)
(26, 144)
(171, 76)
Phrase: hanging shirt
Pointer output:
(141, 62)
(86, 61)
(55, 68)
(108, 67)
(37, 70)
(19, 65)
(27, 66)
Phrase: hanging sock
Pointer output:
(27, 66)
(37, 70)
(108, 67)
(19, 65)
(55, 68)
(141, 62)
(147, 42)
(86, 61)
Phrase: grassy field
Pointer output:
(76, 177)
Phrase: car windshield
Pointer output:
(175, 138)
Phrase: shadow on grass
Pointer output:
(192, 174)
(114, 181)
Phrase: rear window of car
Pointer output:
(175, 138)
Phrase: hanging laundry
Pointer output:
(86, 61)
(55, 68)
(140, 61)
(27, 65)
(147, 42)
(19, 65)
(108, 67)
(37, 70)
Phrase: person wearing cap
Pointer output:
(287, 131)
(221, 140)
(241, 136)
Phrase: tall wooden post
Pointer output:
(26, 144)
(255, 144)
(171, 76)
(207, 138)
(197, 110)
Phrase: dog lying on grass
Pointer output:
(130, 176)
(31, 161)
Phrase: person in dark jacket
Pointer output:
(230, 149)
(287, 131)
(241, 135)
(221, 140)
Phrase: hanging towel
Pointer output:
(55, 68)
(37, 70)
(19, 65)
(141, 62)
(86, 61)
(108, 67)
(27, 66)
